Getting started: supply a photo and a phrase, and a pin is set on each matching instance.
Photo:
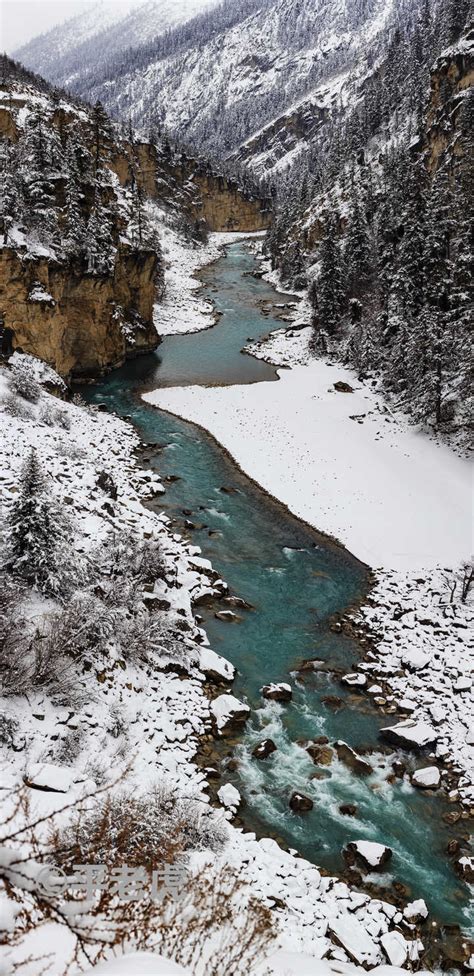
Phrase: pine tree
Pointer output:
(358, 249)
(39, 535)
(328, 293)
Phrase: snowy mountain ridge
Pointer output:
(105, 27)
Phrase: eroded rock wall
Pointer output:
(92, 323)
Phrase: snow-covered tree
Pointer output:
(38, 545)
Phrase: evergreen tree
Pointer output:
(328, 293)
(39, 535)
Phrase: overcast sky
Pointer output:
(20, 20)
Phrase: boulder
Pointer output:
(300, 803)
(227, 615)
(277, 692)
(322, 755)
(464, 867)
(395, 947)
(350, 758)
(264, 749)
(229, 713)
(230, 797)
(354, 680)
(372, 856)
(415, 911)
(410, 734)
(49, 777)
(427, 778)
(348, 809)
(342, 387)
(349, 933)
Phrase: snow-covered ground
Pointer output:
(397, 499)
(340, 460)
(147, 725)
(183, 309)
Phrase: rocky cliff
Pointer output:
(445, 127)
(80, 262)
(81, 324)
(202, 194)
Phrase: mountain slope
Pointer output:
(103, 30)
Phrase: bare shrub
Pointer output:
(24, 385)
(16, 407)
(140, 831)
(52, 416)
(125, 564)
(9, 727)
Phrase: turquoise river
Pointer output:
(295, 580)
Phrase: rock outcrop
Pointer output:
(91, 323)
(444, 128)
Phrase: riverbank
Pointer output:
(182, 308)
(137, 726)
(345, 463)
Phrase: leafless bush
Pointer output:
(53, 417)
(24, 385)
(9, 727)
(125, 559)
(71, 450)
(69, 748)
(216, 926)
(145, 831)
(33, 661)
(16, 407)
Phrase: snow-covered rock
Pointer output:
(427, 778)
(230, 797)
(415, 910)
(373, 856)
(354, 938)
(395, 947)
(280, 691)
(228, 712)
(410, 734)
(47, 776)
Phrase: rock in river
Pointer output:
(229, 712)
(300, 803)
(277, 692)
(322, 755)
(410, 734)
(427, 778)
(372, 856)
(350, 758)
(264, 749)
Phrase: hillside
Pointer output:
(104, 27)
(81, 264)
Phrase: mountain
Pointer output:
(101, 30)
(80, 259)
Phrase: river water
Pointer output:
(295, 580)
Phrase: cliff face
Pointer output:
(81, 324)
(80, 264)
(444, 129)
(201, 193)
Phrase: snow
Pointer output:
(415, 909)
(227, 707)
(427, 778)
(387, 492)
(410, 733)
(229, 796)
(48, 776)
(139, 964)
(352, 936)
(39, 294)
(396, 948)
(371, 852)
